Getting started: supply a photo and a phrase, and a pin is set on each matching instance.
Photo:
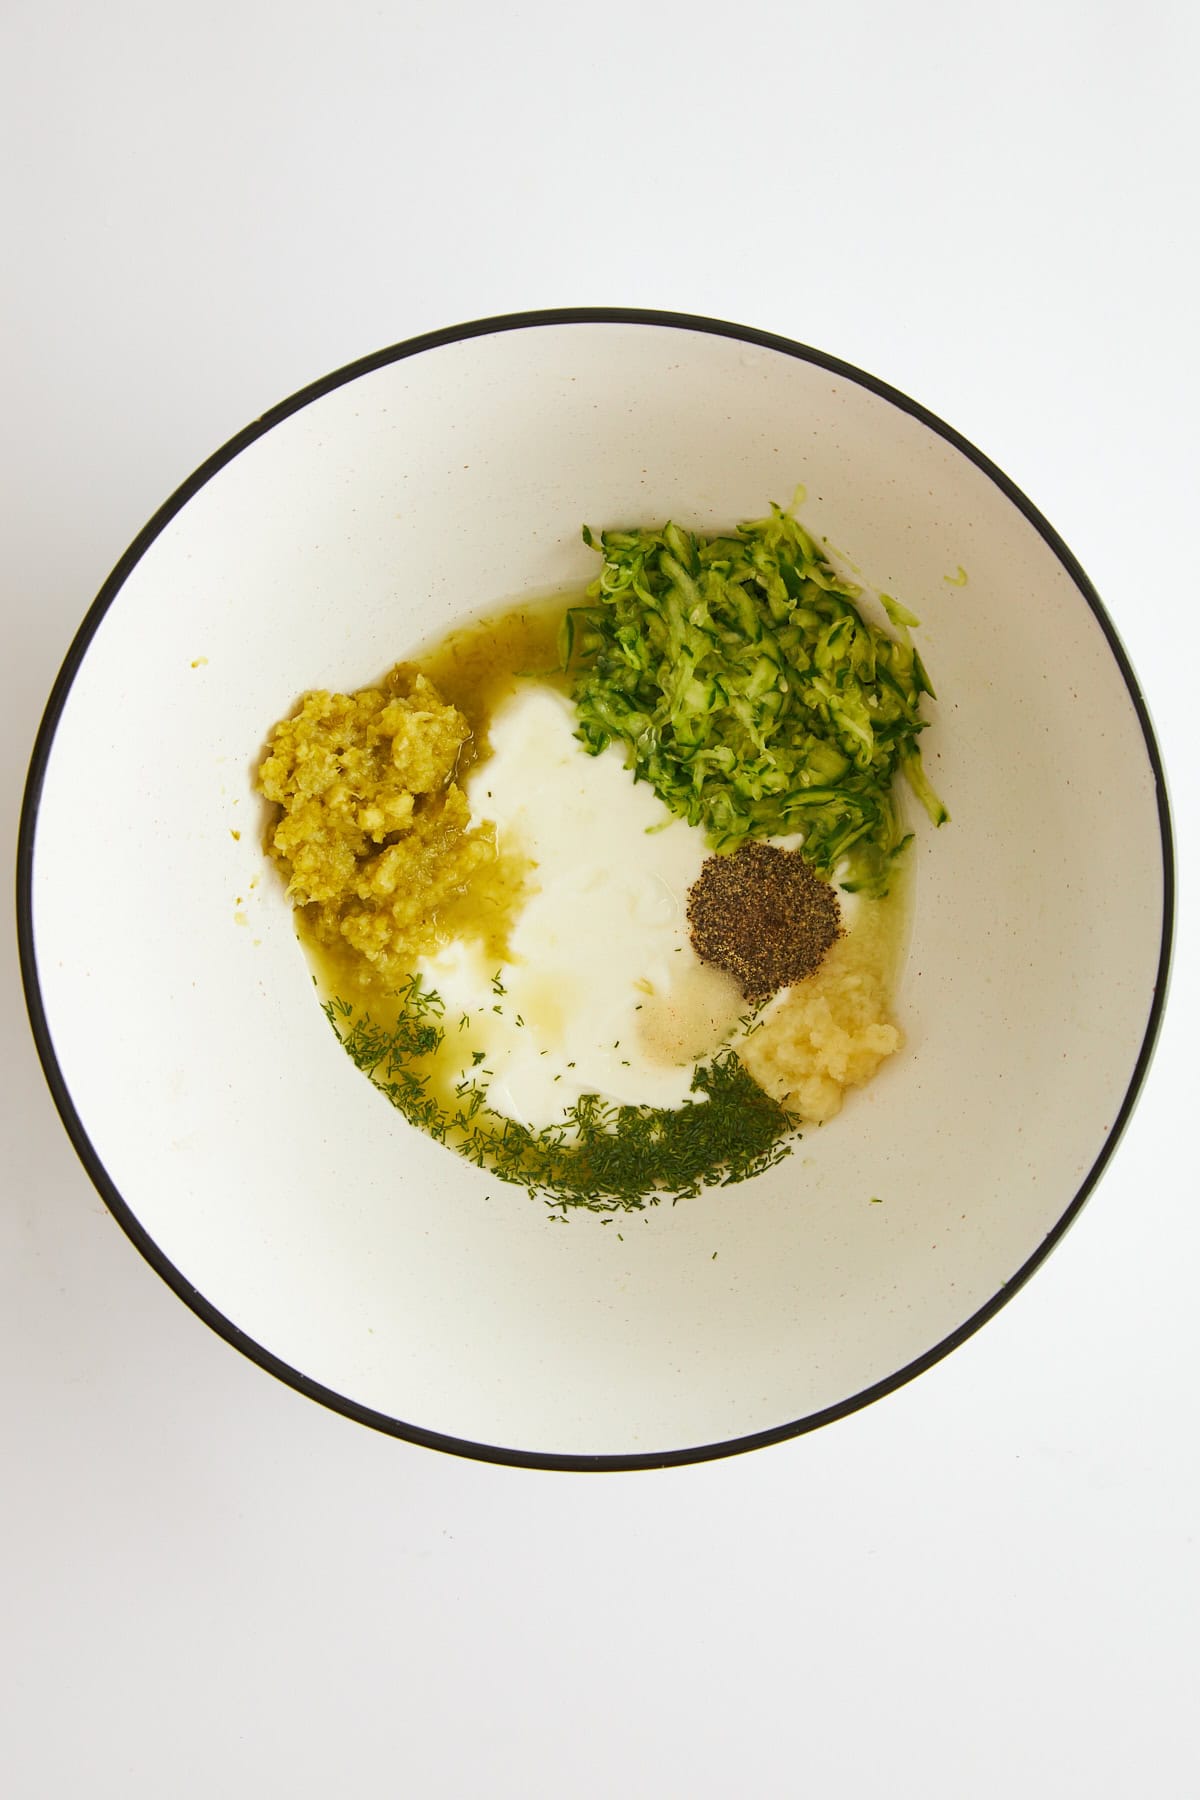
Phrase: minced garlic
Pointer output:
(831, 1031)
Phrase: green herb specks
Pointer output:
(602, 1156)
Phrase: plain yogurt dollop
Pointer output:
(603, 993)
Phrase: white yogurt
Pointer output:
(603, 993)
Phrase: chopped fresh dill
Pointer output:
(601, 1156)
(752, 1021)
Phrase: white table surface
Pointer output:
(984, 1585)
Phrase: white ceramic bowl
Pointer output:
(278, 1193)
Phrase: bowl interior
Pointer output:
(285, 1192)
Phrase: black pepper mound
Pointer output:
(764, 916)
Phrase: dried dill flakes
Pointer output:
(763, 915)
(601, 1156)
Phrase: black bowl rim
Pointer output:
(175, 1279)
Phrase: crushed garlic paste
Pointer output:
(832, 1031)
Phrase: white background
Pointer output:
(984, 1585)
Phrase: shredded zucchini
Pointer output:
(751, 693)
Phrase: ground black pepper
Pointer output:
(763, 915)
